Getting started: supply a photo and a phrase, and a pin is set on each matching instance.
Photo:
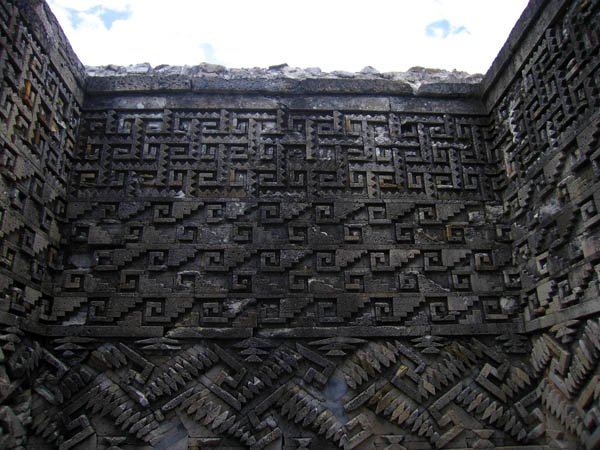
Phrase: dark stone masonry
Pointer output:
(201, 257)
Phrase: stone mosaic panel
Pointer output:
(39, 113)
(40, 103)
(336, 264)
(219, 222)
(545, 130)
(41, 93)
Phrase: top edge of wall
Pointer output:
(280, 86)
(44, 26)
(529, 29)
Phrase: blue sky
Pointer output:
(106, 15)
(442, 29)
(390, 35)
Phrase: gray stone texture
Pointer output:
(282, 258)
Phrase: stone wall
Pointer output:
(40, 102)
(41, 94)
(545, 130)
(285, 213)
(287, 260)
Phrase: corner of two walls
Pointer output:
(543, 97)
(41, 95)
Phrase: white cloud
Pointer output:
(331, 34)
(441, 29)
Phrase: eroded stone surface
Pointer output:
(284, 259)
(415, 76)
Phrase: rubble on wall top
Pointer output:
(415, 76)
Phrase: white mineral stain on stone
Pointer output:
(549, 209)
(494, 212)
(78, 319)
(512, 121)
(235, 306)
(508, 305)
(436, 285)
(334, 392)
(476, 217)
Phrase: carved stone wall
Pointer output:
(200, 262)
(40, 101)
(545, 129)
(41, 94)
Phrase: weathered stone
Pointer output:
(286, 257)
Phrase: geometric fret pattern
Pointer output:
(274, 219)
(185, 265)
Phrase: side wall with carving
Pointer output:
(301, 264)
(546, 131)
(41, 94)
